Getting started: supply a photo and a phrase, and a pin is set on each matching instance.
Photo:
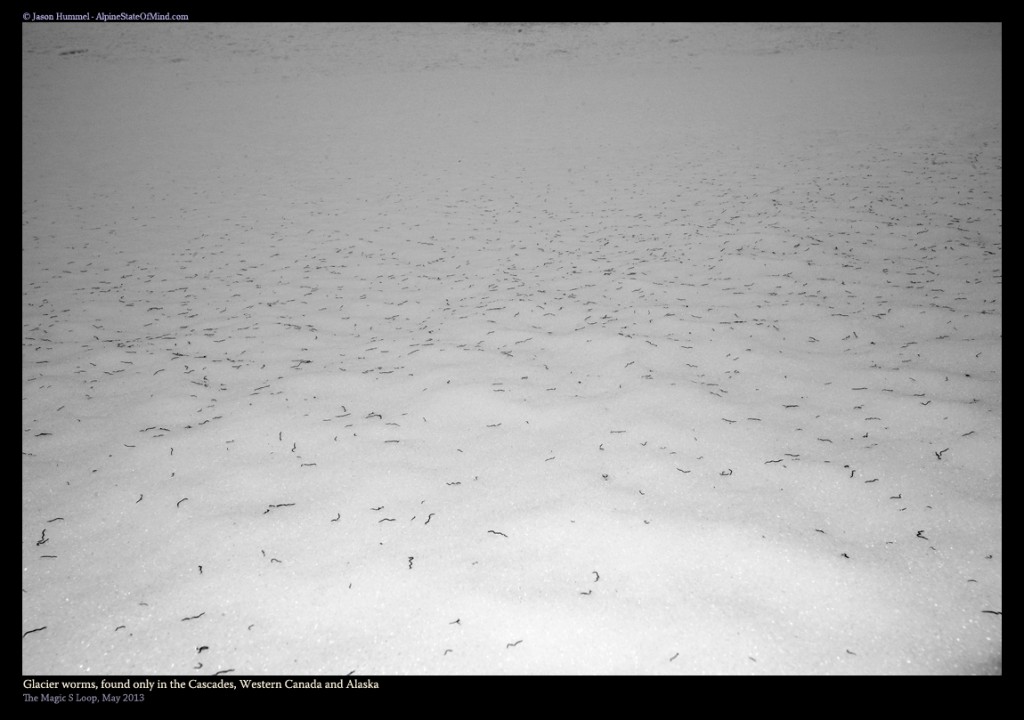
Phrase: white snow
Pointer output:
(502, 349)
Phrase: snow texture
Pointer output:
(511, 349)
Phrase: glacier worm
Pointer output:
(271, 507)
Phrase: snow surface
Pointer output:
(582, 349)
